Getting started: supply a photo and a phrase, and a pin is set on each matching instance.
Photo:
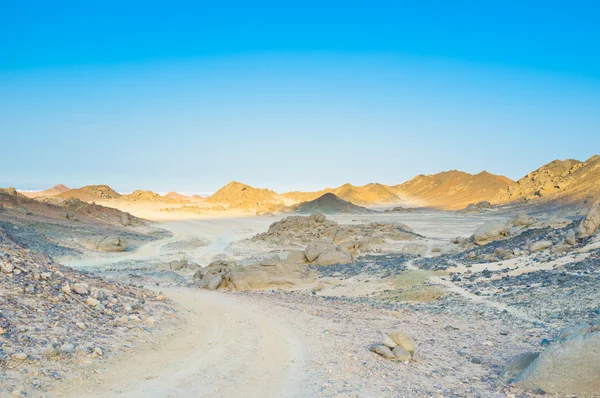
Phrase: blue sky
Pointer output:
(292, 95)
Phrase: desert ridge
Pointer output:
(569, 183)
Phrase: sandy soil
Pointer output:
(228, 348)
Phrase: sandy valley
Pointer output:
(246, 296)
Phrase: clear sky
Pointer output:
(292, 95)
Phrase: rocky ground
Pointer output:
(469, 303)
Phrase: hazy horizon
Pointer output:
(292, 98)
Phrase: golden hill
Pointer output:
(329, 203)
(55, 190)
(568, 181)
(91, 193)
(369, 194)
(175, 195)
(454, 189)
(236, 195)
(141, 196)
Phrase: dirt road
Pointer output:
(228, 348)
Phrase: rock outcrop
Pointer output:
(91, 193)
(329, 203)
(270, 274)
(570, 365)
(104, 243)
(141, 196)
(590, 223)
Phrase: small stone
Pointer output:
(476, 360)
(21, 356)
(80, 288)
(382, 350)
(7, 268)
(92, 302)
(50, 352)
(401, 354)
(403, 340)
(98, 351)
(81, 325)
(67, 348)
(66, 288)
(387, 340)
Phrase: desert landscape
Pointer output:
(361, 199)
(446, 285)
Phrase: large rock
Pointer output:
(522, 219)
(490, 231)
(540, 245)
(516, 365)
(104, 243)
(568, 366)
(591, 222)
(333, 257)
(296, 257)
(315, 249)
(258, 277)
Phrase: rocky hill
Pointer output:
(567, 181)
(175, 195)
(454, 189)
(72, 209)
(141, 196)
(53, 316)
(91, 193)
(369, 194)
(236, 195)
(330, 204)
(55, 190)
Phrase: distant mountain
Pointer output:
(374, 193)
(453, 189)
(568, 181)
(174, 195)
(369, 194)
(141, 196)
(236, 195)
(91, 193)
(55, 190)
(329, 203)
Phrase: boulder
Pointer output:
(522, 219)
(104, 243)
(540, 245)
(567, 366)
(590, 223)
(177, 265)
(517, 365)
(401, 354)
(484, 204)
(214, 282)
(314, 249)
(333, 257)
(297, 257)
(488, 232)
(382, 350)
(270, 261)
(403, 340)
(570, 238)
(258, 277)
